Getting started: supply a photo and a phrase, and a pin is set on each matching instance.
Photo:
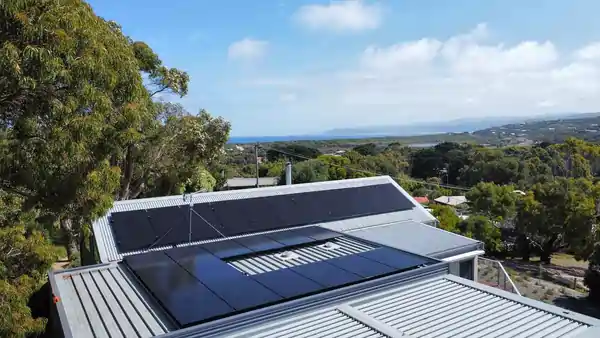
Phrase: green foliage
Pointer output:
(367, 149)
(336, 166)
(25, 257)
(410, 185)
(482, 229)
(592, 275)
(558, 214)
(15, 316)
(307, 172)
(447, 217)
(170, 153)
(495, 201)
(289, 150)
(200, 180)
(78, 127)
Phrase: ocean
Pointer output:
(264, 139)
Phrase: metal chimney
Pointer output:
(288, 173)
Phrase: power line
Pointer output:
(449, 186)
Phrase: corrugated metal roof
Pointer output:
(446, 306)
(331, 323)
(240, 182)
(106, 243)
(418, 238)
(451, 200)
(106, 301)
(273, 261)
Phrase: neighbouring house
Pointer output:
(421, 199)
(452, 201)
(249, 182)
(349, 258)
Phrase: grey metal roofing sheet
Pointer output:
(331, 323)
(239, 182)
(418, 238)
(446, 306)
(105, 301)
(337, 247)
(106, 243)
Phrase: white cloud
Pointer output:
(400, 55)
(589, 53)
(247, 49)
(464, 76)
(339, 16)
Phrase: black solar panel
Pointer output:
(133, 230)
(226, 249)
(290, 237)
(197, 283)
(287, 283)
(259, 243)
(326, 274)
(183, 296)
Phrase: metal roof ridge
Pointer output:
(262, 189)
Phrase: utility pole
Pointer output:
(256, 159)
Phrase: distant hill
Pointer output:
(584, 126)
(451, 126)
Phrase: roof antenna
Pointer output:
(191, 200)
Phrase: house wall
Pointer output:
(466, 268)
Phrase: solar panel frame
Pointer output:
(226, 249)
(132, 231)
(207, 281)
(229, 284)
(243, 216)
(326, 274)
(287, 283)
(155, 270)
(259, 243)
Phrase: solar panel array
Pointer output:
(196, 284)
(142, 229)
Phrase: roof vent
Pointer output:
(287, 255)
(329, 246)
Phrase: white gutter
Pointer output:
(464, 256)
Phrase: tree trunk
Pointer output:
(548, 249)
(524, 248)
(66, 225)
(545, 256)
(127, 171)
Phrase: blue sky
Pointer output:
(280, 67)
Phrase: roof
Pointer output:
(421, 199)
(105, 301)
(267, 262)
(108, 251)
(451, 200)
(443, 306)
(241, 182)
(426, 301)
(419, 238)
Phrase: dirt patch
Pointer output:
(535, 283)
(61, 264)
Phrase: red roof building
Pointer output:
(422, 200)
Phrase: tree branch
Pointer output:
(160, 90)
